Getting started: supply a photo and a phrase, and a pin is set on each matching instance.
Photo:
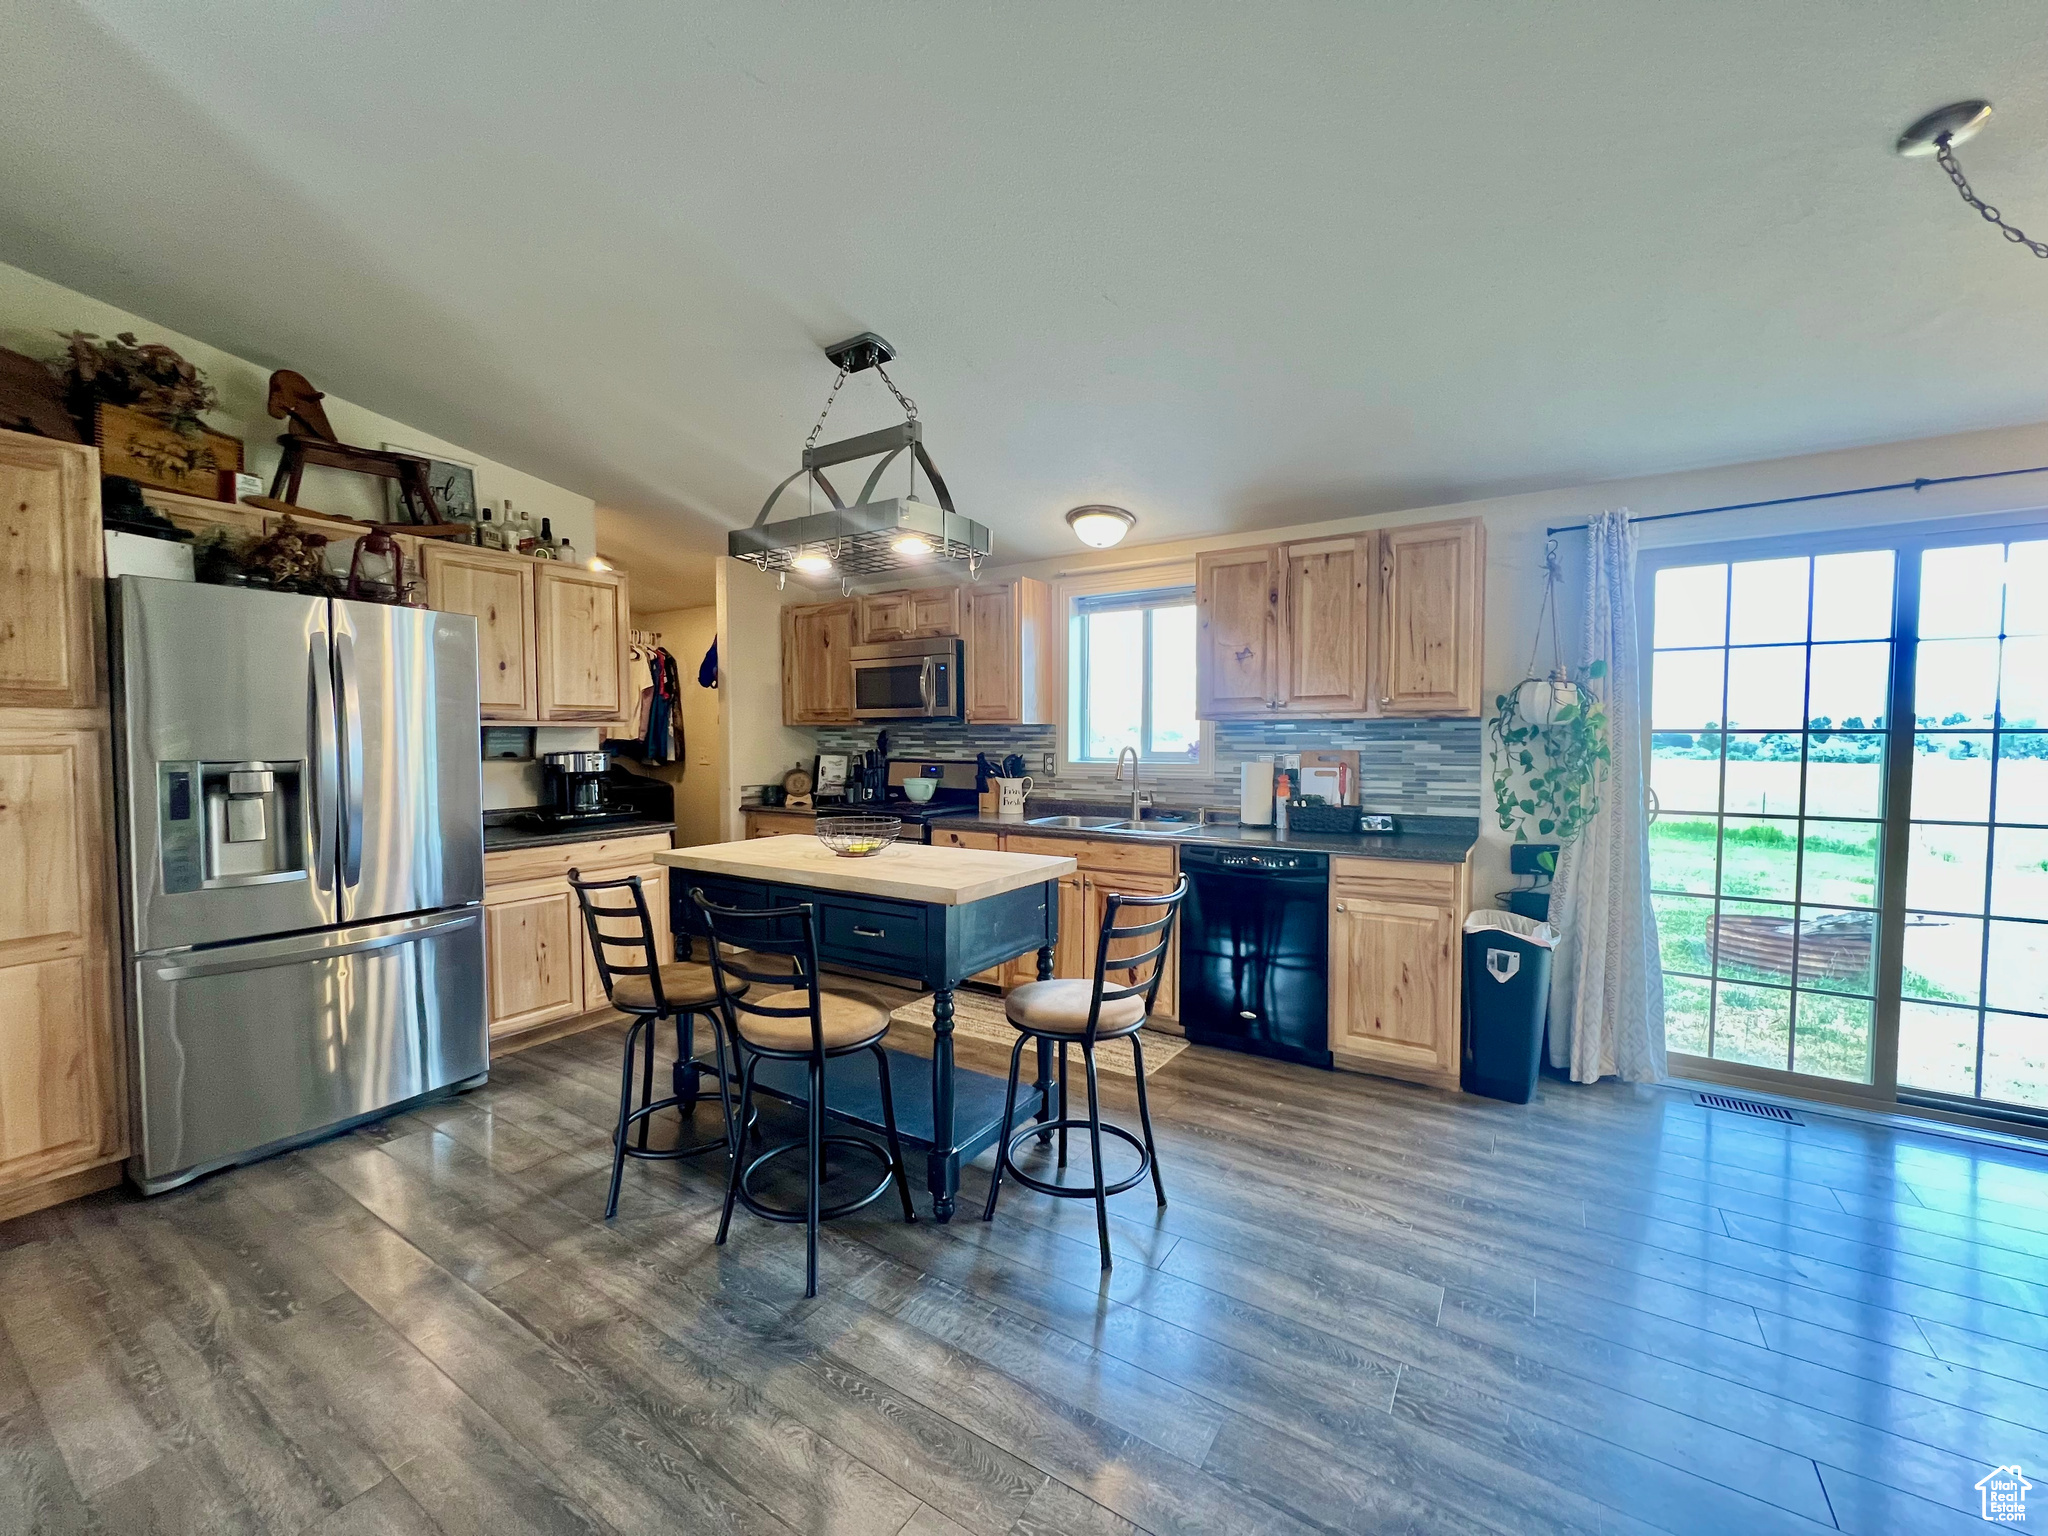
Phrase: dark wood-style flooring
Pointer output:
(1369, 1308)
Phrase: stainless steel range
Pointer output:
(302, 861)
(953, 791)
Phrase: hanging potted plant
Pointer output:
(1548, 736)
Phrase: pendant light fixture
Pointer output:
(1099, 526)
(1937, 134)
(866, 537)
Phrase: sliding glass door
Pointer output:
(1849, 836)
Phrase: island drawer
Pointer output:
(871, 931)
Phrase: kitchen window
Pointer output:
(1850, 814)
(1131, 677)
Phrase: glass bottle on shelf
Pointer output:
(566, 551)
(544, 546)
(486, 534)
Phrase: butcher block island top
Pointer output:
(944, 877)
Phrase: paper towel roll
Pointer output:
(1255, 794)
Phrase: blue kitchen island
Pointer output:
(933, 916)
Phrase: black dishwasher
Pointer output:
(1255, 951)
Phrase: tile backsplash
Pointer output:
(1407, 767)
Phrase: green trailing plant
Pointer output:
(1548, 774)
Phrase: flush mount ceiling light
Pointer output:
(1937, 134)
(1099, 526)
(867, 537)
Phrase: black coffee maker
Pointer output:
(573, 785)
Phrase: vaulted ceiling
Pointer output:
(1228, 265)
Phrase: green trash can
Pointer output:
(1507, 996)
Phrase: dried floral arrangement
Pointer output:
(287, 559)
(148, 376)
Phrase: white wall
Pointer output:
(1515, 535)
(34, 311)
(688, 632)
(759, 748)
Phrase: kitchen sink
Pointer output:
(1153, 828)
(1076, 823)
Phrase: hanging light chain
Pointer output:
(909, 405)
(812, 441)
(1944, 156)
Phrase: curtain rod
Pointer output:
(1786, 501)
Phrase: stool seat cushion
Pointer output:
(1061, 1008)
(848, 1020)
(684, 984)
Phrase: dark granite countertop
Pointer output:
(1425, 839)
(505, 832)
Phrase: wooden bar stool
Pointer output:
(1088, 1013)
(790, 1018)
(650, 990)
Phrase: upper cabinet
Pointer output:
(1432, 585)
(551, 637)
(1237, 595)
(498, 593)
(49, 574)
(1011, 664)
(918, 613)
(583, 623)
(817, 662)
(1387, 623)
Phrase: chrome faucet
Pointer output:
(1137, 795)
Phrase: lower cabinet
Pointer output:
(1395, 976)
(780, 824)
(1107, 869)
(538, 964)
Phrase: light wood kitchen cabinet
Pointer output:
(780, 824)
(49, 575)
(1396, 978)
(1376, 624)
(1106, 868)
(1100, 889)
(1011, 657)
(498, 592)
(534, 961)
(537, 961)
(817, 662)
(1433, 621)
(1325, 626)
(1070, 957)
(63, 1101)
(1237, 595)
(653, 885)
(582, 625)
(916, 613)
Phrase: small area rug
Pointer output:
(980, 1016)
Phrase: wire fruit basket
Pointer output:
(858, 837)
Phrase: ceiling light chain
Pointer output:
(909, 405)
(830, 395)
(1945, 157)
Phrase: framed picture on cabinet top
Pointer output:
(453, 483)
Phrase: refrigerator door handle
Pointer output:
(352, 759)
(265, 954)
(326, 760)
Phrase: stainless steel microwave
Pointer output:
(908, 680)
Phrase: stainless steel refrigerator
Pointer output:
(302, 866)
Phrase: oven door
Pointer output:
(923, 687)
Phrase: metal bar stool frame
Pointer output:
(1090, 1036)
(740, 938)
(646, 1023)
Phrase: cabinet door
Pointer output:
(50, 572)
(1325, 629)
(995, 667)
(533, 955)
(934, 613)
(1070, 956)
(1236, 611)
(654, 887)
(817, 663)
(886, 616)
(497, 591)
(583, 625)
(1100, 888)
(60, 1098)
(771, 824)
(1393, 988)
(1432, 606)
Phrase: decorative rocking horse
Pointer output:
(309, 439)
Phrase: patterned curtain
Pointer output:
(1607, 986)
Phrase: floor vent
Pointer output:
(1747, 1107)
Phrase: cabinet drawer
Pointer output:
(506, 865)
(988, 842)
(1110, 858)
(871, 932)
(1396, 880)
(780, 824)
